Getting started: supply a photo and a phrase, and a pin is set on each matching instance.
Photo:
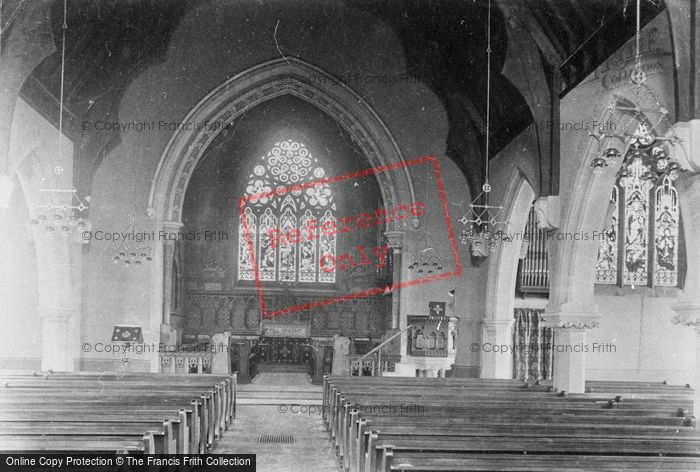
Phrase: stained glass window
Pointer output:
(639, 244)
(284, 218)
(666, 240)
(636, 220)
(247, 226)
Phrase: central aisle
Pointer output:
(285, 410)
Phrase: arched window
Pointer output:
(284, 221)
(640, 240)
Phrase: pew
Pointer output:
(90, 411)
(475, 424)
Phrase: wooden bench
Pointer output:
(518, 428)
(150, 413)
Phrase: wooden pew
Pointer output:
(65, 408)
(400, 460)
(490, 424)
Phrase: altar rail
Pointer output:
(373, 365)
(185, 362)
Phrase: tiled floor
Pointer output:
(281, 404)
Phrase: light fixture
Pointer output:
(65, 215)
(647, 142)
(485, 226)
(133, 256)
(426, 261)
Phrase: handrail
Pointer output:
(383, 344)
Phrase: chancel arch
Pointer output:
(260, 95)
(233, 100)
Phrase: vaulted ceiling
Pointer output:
(110, 42)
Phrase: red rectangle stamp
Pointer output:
(313, 238)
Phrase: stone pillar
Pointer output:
(689, 315)
(687, 309)
(496, 363)
(687, 154)
(570, 362)
(55, 339)
(395, 240)
(58, 299)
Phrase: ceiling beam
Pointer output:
(521, 13)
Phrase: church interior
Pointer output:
(453, 235)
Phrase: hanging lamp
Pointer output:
(483, 221)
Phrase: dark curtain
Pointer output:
(532, 346)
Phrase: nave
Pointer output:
(352, 235)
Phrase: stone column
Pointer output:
(496, 363)
(687, 154)
(689, 315)
(395, 240)
(58, 299)
(570, 362)
(55, 339)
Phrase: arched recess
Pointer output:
(232, 99)
(573, 259)
(257, 85)
(502, 274)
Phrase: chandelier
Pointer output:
(426, 259)
(484, 222)
(65, 212)
(647, 142)
(133, 255)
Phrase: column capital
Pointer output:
(687, 314)
(574, 321)
(687, 151)
(395, 239)
(547, 211)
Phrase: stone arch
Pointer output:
(232, 99)
(572, 265)
(502, 274)
(255, 86)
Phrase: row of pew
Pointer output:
(425, 424)
(63, 412)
